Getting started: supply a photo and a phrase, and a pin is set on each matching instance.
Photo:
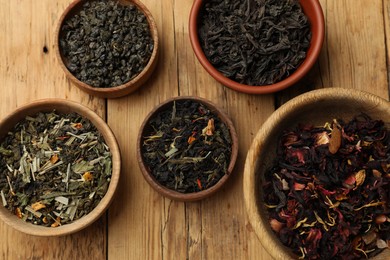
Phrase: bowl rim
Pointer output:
(129, 86)
(252, 161)
(61, 105)
(315, 49)
(194, 196)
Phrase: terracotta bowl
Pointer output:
(121, 90)
(315, 107)
(172, 194)
(313, 11)
(64, 106)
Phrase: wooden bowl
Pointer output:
(121, 90)
(172, 194)
(313, 11)
(315, 107)
(64, 106)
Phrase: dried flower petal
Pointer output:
(57, 222)
(87, 176)
(376, 173)
(77, 125)
(369, 237)
(299, 186)
(381, 219)
(210, 127)
(322, 138)
(191, 139)
(335, 139)
(360, 176)
(54, 158)
(380, 243)
(38, 205)
(276, 225)
(18, 212)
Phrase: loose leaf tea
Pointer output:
(106, 44)
(54, 168)
(328, 192)
(255, 42)
(188, 148)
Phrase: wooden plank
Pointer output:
(218, 227)
(386, 14)
(142, 224)
(27, 73)
(355, 46)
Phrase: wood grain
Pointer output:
(140, 223)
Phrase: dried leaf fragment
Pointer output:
(335, 139)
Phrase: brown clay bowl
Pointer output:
(121, 90)
(64, 106)
(315, 107)
(313, 11)
(172, 194)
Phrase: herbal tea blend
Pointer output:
(328, 192)
(188, 148)
(254, 42)
(107, 44)
(54, 168)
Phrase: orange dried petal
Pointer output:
(57, 222)
(276, 225)
(44, 220)
(38, 205)
(87, 176)
(54, 158)
(77, 125)
(210, 127)
(18, 212)
(191, 139)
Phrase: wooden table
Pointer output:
(141, 224)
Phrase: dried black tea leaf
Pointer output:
(332, 203)
(54, 168)
(255, 42)
(188, 148)
(106, 44)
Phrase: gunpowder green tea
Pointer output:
(106, 43)
(54, 168)
(254, 42)
(187, 147)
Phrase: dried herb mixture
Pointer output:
(255, 42)
(107, 44)
(188, 148)
(54, 168)
(328, 192)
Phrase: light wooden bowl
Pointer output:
(315, 107)
(175, 195)
(64, 106)
(312, 9)
(126, 88)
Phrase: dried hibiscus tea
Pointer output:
(327, 193)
